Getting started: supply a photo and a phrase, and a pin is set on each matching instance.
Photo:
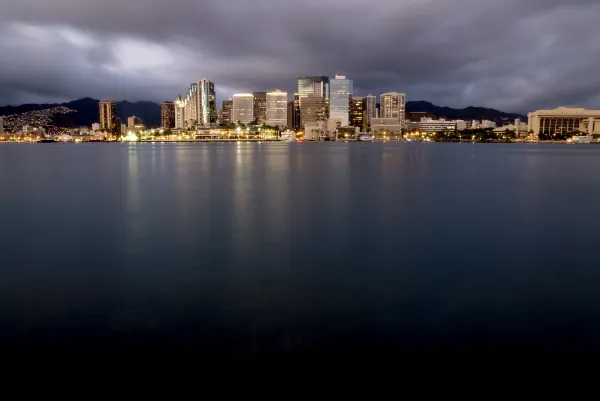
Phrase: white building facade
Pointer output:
(564, 120)
(277, 108)
(392, 105)
(340, 91)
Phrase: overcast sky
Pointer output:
(514, 55)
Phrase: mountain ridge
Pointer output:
(87, 112)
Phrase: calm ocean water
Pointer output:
(273, 248)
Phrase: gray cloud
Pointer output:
(513, 55)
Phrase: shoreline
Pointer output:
(280, 141)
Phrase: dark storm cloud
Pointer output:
(514, 55)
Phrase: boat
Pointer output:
(47, 140)
(580, 139)
(288, 136)
(366, 137)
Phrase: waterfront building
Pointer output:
(118, 126)
(276, 110)
(199, 105)
(312, 109)
(167, 115)
(386, 128)
(313, 99)
(179, 113)
(243, 108)
(340, 91)
(108, 117)
(316, 86)
(260, 107)
(369, 111)
(296, 117)
(1, 125)
(133, 121)
(564, 120)
(356, 112)
(430, 125)
(227, 112)
(461, 125)
(123, 128)
(392, 105)
(290, 115)
(95, 127)
(208, 103)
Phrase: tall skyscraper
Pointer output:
(243, 108)
(369, 111)
(290, 115)
(312, 109)
(260, 107)
(208, 103)
(313, 99)
(296, 117)
(199, 105)
(317, 86)
(179, 113)
(167, 115)
(340, 90)
(392, 105)
(108, 117)
(276, 108)
(227, 112)
(356, 112)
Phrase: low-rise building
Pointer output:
(386, 128)
(430, 125)
(564, 120)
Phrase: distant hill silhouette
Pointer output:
(469, 113)
(87, 112)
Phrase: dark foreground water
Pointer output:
(291, 249)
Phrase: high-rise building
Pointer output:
(167, 115)
(179, 113)
(290, 115)
(340, 90)
(317, 86)
(1, 125)
(392, 105)
(118, 127)
(296, 117)
(199, 105)
(369, 111)
(208, 102)
(356, 112)
(227, 112)
(260, 107)
(312, 109)
(243, 108)
(276, 108)
(313, 99)
(133, 121)
(108, 117)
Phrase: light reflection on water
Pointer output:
(258, 243)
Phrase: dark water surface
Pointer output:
(254, 249)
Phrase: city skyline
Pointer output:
(512, 55)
